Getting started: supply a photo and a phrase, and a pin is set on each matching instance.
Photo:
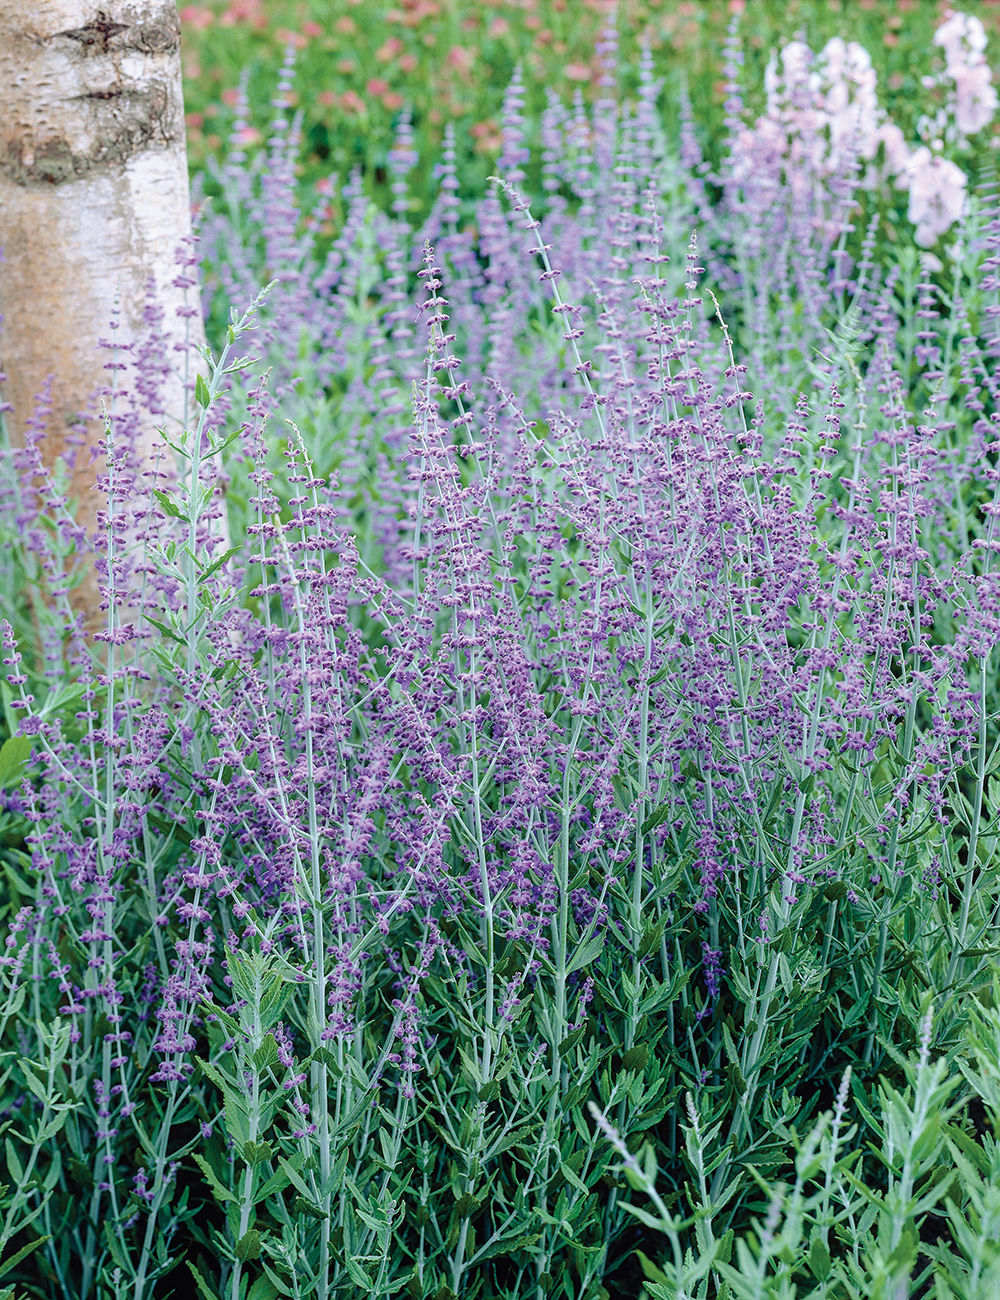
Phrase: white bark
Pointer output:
(94, 201)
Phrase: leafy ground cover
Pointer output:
(529, 826)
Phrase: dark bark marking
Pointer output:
(125, 118)
(103, 36)
(130, 120)
(96, 36)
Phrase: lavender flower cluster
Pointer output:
(597, 621)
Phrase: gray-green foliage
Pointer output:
(903, 1200)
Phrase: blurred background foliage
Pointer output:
(360, 63)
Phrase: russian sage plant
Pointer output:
(592, 706)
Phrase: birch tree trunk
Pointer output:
(94, 202)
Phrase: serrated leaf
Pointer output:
(507, 1247)
(257, 1153)
(819, 1260)
(636, 1058)
(303, 1205)
(248, 1246)
(468, 1205)
(568, 1043)
(35, 1085)
(162, 627)
(203, 1288)
(220, 1192)
(267, 1054)
(212, 1071)
(54, 1126)
(656, 818)
(169, 506)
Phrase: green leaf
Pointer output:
(656, 818)
(267, 1054)
(13, 1163)
(35, 1085)
(114, 1245)
(587, 952)
(7, 1264)
(201, 393)
(217, 564)
(169, 506)
(276, 1183)
(573, 1178)
(220, 1193)
(54, 1125)
(358, 1276)
(905, 1254)
(507, 1246)
(278, 1283)
(651, 1270)
(651, 937)
(636, 1057)
(568, 1043)
(248, 1246)
(168, 632)
(303, 1205)
(819, 1260)
(256, 1153)
(294, 1178)
(201, 1284)
(14, 753)
(264, 1289)
(212, 1071)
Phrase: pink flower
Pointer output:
(197, 17)
(288, 37)
(963, 40)
(460, 58)
(975, 98)
(245, 11)
(897, 155)
(937, 195)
